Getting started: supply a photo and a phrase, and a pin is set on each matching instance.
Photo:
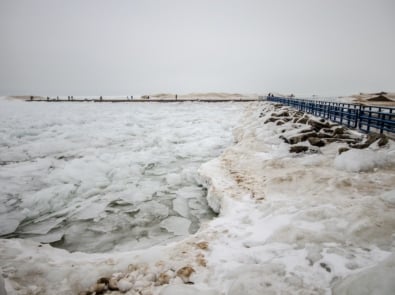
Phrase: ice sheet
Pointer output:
(116, 169)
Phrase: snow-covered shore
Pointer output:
(309, 223)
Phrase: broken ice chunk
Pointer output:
(181, 207)
(49, 238)
(177, 225)
(91, 211)
(173, 179)
(9, 223)
(42, 228)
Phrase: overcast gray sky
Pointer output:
(119, 47)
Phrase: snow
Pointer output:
(319, 223)
(389, 197)
(124, 285)
(363, 160)
(185, 290)
(379, 279)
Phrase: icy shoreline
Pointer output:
(290, 223)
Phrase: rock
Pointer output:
(338, 130)
(271, 119)
(315, 141)
(382, 141)
(284, 138)
(282, 114)
(306, 130)
(298, 149)
(323, 135)
(301, 137)
(371, 137)
(327, 130)
(303, 120)
(185, 273)
(350, 141)
(103, 281)
(279, 123)
(317, 125)
(124, 285)
(342, 150)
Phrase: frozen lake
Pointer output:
(107, 177)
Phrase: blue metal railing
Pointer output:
(366, 118)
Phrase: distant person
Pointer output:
(176, 96)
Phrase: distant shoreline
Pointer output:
(144, 100)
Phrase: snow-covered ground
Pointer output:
(317, 222)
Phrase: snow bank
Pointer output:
(356, 160)
(298, 222)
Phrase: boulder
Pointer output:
(281, 114)
(342, 150)
(271, 119)
(371, 137)
(303, 120)
(301, 137)
(298, 149)
(284, 139)
(338, 130)
(383, 140)
(317, 125)
(315, 141)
